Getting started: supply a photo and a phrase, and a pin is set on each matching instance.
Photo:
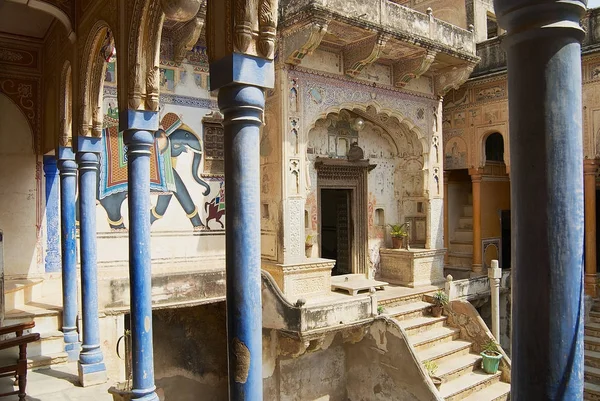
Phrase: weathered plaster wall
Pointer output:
(20, 189)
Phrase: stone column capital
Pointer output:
(476, 174)
(590, 166)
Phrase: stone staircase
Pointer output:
(460, 368)
(24, 302)
(591, 369)
(460, 252)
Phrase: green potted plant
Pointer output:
(398, 233)
(431, 368)
(440, 299)
(491, 357)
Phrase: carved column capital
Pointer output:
(590, 167)
(186, 37)
(412, 68)
(360, 54)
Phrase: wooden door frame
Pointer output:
(353, 176)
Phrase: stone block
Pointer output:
(412, 268)
(295, 280)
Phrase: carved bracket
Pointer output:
(304, 41)
(412, 68)
(186, 37)
(452, 78)
(359, 55)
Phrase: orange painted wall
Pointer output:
(495, 196)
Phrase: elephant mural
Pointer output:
(172, 140)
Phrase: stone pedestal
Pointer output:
(296, 280)
(412, 268)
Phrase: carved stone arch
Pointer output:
(66, 106)
(92, 81)
(57, 13)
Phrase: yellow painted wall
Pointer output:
(495, 196)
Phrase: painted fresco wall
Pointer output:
(187, 182)
(20, 194)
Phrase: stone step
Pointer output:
(455, 367)
(433, 337)
(470, 199)
(51, 342)
(468, 384)
(592, 329)
(467, 211)
(461, 246)
(591, 391)
(591, 343)
(408, 311)
(463, 235)
(421, 324)
(591, 375)
(592, 358)
(19, 292)
(595, 317)
(596, 307)
(47, 361)
(45, 319)
(444, 351)
(460, 259)
(465, 222)
(390, 302)
(499, 391)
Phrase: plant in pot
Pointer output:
(431, 368)
(491, 357)
(399, 234)
(440, 299)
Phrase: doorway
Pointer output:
(336, 229)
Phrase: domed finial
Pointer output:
(429, 11)
(300, 302)
(449, 277)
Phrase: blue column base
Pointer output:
(92, 374)
(72, 346)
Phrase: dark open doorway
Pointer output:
(336, 229)
(505, 226)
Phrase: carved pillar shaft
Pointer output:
(91, 366)
(446, 225)
(68, 187)
(543, 47)
(494, 275)
(477, 251)
(589, 175)
(52, 220)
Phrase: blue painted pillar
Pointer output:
(68, 187)
(139, 142)
(91, 366)
(544, 85)
(241, 99)
(52, 220)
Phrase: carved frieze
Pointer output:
(360, 54)
(412, 68)
(452, 78)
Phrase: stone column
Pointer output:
(494, 275)
(543, 47)
(589, 174)
(68, 187)
(477, 252)
(446, 211)
(52, 216)
(139, 143)
(91, 366)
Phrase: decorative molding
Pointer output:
(412, 68)
(360, 54)
(452, 78)
(185, 37)
(304, 41)
(25, 92)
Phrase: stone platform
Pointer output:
(412, 268)
(307, 277)
(353, 283)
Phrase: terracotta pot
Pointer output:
(397, 242)
(436, 310)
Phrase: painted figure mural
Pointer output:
(173, 139)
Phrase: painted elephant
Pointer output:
(172, 139)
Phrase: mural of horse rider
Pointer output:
(173, 139)
(178, 138)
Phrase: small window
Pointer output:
(494, 148)
(306, 219)
(379, 217)
(492, 27)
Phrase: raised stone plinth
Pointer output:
(412, 268)
(310, 277)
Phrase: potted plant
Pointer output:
(440, 299)
(398, 233)
(431, 368)
(491, 357)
